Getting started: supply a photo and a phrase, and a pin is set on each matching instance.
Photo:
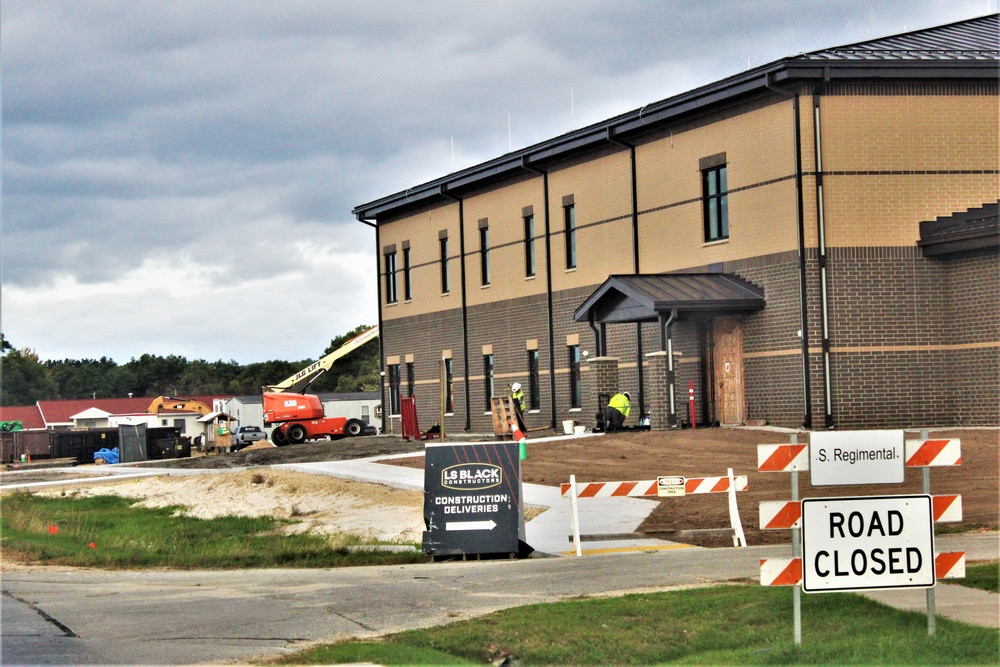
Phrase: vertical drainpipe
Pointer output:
(548, 285)
(800, 226)
(635, 263)
(824, 297)
(465, 308)
(667, 344)
(381, 329)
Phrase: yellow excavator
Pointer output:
(161, 403)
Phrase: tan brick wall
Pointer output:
(864, 137)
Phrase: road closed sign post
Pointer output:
(877, 542)
(472, 499)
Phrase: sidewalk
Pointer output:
(548, 534)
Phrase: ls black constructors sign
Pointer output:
(472, 499)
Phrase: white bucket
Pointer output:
(579, 430)
(568, 426)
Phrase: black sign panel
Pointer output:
(472, 499)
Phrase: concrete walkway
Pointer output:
(548, 532)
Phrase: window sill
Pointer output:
(534, 411)
(445, 293)
(529, 277)
(484, 286)
(576, 409)
(708, 244)
(570, 270)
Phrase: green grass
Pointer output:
(133, 537)
(985, 576)
(718, 625)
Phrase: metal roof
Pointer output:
(974, 229)
(642, 297)
(964, 40)
(965, 50)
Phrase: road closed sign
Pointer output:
(855, 544)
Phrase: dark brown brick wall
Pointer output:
(913, 343)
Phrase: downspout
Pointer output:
(667, 343)
(548, 286)
(465, 309)
(381, 329)
(635, 263)
(801, 229)
(597, 335)
(824, 296)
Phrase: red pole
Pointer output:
(691, 402)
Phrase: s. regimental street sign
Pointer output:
(472, 499)
(856, 457)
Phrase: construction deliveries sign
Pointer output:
(472, 499)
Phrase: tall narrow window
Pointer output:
(407, 284)
(534, 402)
(411, 384)
(366, 414)
(484, 249)
(569, 214)
(391, 295)
(394, 389)
(575, 385)
(449, 379)
(529, 246)
(715, 198)
(443, 242)
(488, 380)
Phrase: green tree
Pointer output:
(24, 380)
(357, 371)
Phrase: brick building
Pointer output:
(811, 242)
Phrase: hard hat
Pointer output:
(628, 396)
(516, 386)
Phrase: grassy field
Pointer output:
(104, 531)
(738, 624)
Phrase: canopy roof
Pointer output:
(643, 297)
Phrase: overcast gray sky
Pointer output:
(178, 175)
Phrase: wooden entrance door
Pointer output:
(728, 370)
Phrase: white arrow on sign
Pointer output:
(470, 525)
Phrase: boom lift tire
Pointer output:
(278, 438)
(296, 434)
(354, 428)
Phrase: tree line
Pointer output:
(25, 378)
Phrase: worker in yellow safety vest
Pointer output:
(517, 398)
(617, 410)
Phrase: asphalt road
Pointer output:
(64, 616)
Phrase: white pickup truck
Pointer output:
(247, 435)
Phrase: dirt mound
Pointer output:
(318, 503)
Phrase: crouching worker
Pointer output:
(517, 398)
(616, 412)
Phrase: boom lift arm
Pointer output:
(297, 383)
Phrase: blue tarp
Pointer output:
(109, 455)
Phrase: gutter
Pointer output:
(465, 309)
(381, 338)
(635, 263)
(800, 227)
(548, 285)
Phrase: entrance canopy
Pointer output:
(650, 297)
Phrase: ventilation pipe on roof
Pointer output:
(548, 285)
(635, 262)
(800, 225)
